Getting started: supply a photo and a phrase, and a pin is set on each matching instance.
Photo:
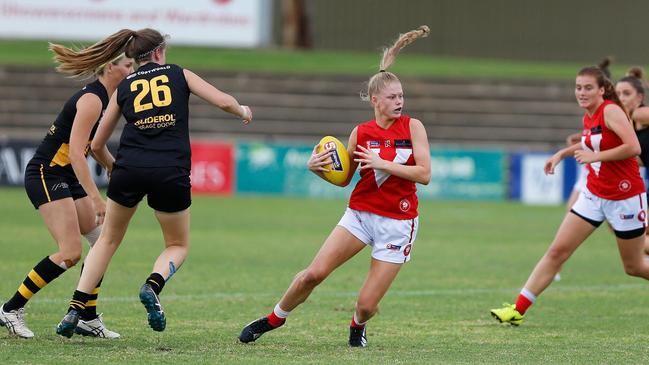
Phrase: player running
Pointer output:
(393, 154)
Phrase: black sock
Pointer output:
(156, 281)
(42, 274)
(78, 302)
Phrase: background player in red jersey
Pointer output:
(575, 138)
(582, 172)
(614, 191)
(630, 90)
(58, 180)
(393, 154)
(153, 159)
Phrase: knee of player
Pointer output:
(557, 253)
(71, 247)
(633, 269)
(69, 258)
(312, 277)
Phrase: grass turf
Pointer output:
(469, 257)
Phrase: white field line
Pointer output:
(558, 287)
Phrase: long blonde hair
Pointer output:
(383, 77)
(90, 61)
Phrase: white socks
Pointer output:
(279, 312)
(93, 235)
(528, 294)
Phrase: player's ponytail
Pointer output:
(384, 77)
(605, 65)
(635, 78)
(90, 61)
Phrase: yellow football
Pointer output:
(339, 167)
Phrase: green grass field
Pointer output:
(20, 52)
(468, 258)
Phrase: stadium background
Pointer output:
(482, 127)
(493, 85)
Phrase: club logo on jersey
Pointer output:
(392, 247)
(373, 144)
(402, 156)
(402, 143)
(406, 250)
(404, 205)
(596, 130)
(52, 130)
(642, 216)
(624, 185)
(387, 143)
(626, 216)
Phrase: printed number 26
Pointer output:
(154, 86)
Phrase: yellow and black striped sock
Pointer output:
(156, 281)
(90, 311)
(91, 305)
(42, 274)
(78, 302)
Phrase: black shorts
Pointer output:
(168, 189)
(42, 186)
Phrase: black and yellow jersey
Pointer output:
(154, 101)
(53, 152)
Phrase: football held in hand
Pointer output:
(339, 167)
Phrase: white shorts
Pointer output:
(391, 239)
(623, 215)
(582, 177)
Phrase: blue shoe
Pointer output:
(151, 302)
(68, 324)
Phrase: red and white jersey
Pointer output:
(377, 191)
(612, 180)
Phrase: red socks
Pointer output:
(522, 304)
(274, 320)
(356, 325)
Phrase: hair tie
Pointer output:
(100, 67)
(142, 56)
(381, 70)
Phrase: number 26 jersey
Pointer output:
(154, 101)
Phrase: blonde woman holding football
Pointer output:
(392, 153)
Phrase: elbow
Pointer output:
(636, 150)
(424, 179)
